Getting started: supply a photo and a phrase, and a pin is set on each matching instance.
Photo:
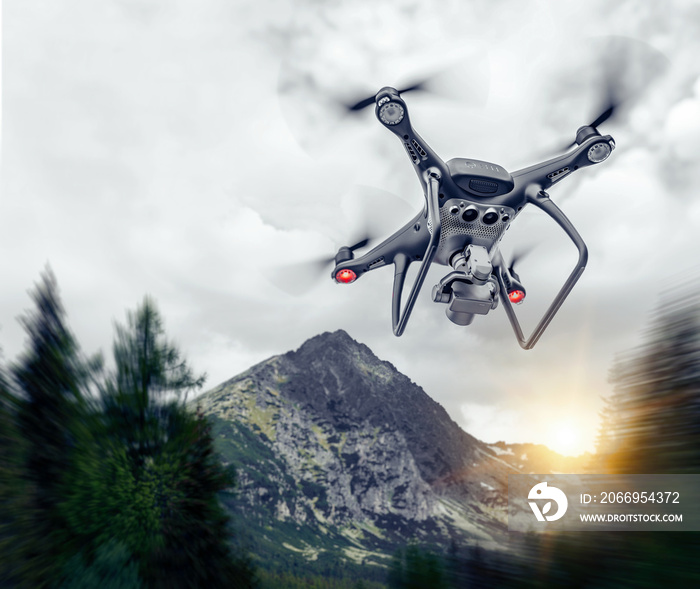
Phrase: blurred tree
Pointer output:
(652, 422)
(196, 549)
(414, 568)
(14, 490)
(112, 490)
(650, 425)
(112, 568)
(149, 386)
(51, 379)
(153, 479)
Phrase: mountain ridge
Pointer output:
(338, 453)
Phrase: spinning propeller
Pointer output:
(627, 69)
(516, 290)
(320, 117)
(423, 85)
(374, 211)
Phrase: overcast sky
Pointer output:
(188, 150)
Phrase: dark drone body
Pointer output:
(469, 206)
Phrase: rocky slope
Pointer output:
(338, 452)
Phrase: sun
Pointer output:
(565, 439)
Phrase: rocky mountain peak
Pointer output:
(338, 352)
(330, 340)
(344, 439)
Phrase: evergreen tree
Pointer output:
(651, 425)
(14, 496)
(111, 490)
(413, 568)
(51, 379)
(151, 383)
(112, 568)
(163, 456)
(654, 416)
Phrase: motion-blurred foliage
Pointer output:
(107, 479)
(414, 568)
(650, 425)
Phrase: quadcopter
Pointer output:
(469, 206)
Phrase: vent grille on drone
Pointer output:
(419, 148)
(411, 153)
(452, 225)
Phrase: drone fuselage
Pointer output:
(469, 203)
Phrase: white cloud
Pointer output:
(682, 128)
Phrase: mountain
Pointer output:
(537, 458)
(339, 454)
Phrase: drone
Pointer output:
(469, 205)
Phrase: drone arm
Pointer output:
(540, 199)
(593, 150)
(410, 240)
(419, 152)
(421, 155)
(402, 261)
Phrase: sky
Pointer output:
(192, 151)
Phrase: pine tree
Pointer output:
(51, 378)
(654, 415)
(111, 490)
(165, 460)
(651, 424)
(413, 568)
(150, 383)
(112, 568)
(14, 496)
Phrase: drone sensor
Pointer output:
(490, 217)
(470, 214)
(346, 276)
(599, 152)
(391, 113)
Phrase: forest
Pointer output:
(107, 478)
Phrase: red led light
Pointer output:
(516, 296)
(346, 276)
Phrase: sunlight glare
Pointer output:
(565, 439)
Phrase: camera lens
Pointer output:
(470, 214)
(490, 217)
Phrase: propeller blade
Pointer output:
(520, 254)
(362, 104)
(622, 70)
(299, 278)
(360, 244)
(318, 117)
(628, 69)
(419, 86)
(370, 100)
(373, 212)
(604, 116)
